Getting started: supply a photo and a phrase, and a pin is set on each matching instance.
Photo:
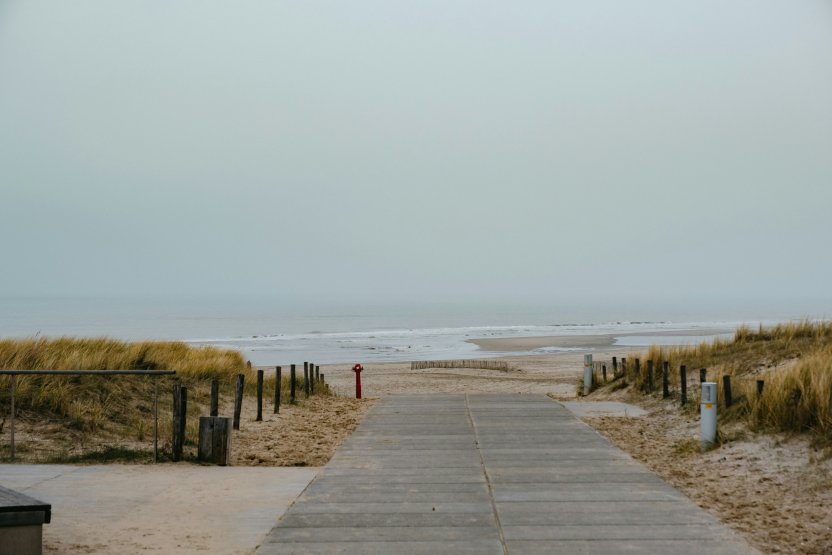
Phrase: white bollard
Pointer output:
(707, 408)
(587, 374)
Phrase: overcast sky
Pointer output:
(463, 150)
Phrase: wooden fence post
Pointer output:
(703, 375)
(317, 373)
(259, 396)
(726, 389)
(180, 411)
(614, 367)
(604, 372)
(311, 378)
(292, 383)
(215, 397)
(637, 370)
(238, 400)
(277, 379)
(760, 384)
(650, 376)
(214, 440)
(683, 382)
(11, 426)
(665, 380)
(155, 420)
(306, 379)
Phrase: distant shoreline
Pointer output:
(603, 341)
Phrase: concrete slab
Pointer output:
(489, 473)
(629, 547)
(105, 509)
(467, 547)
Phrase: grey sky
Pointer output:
(430, 150)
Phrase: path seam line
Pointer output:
(487, 477)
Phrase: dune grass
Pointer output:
(793, 359)
(79, 415)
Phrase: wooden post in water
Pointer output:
(683, 383)
(215, 397)
(726, 389)
(277, 379)
(259, 396)
(292, 383)
(760, 384)
(650, 376)
(238, 399)
(665, 380)
(180, 411)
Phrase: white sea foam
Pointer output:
(389, 345)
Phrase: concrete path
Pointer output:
(166, 508)
(489, 474)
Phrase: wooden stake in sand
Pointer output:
(214, 440)
(311, 378)
(259, 396)
(238, 400)
(277, 379)
(215, 397)
(292, 383)
(726, 389)
(683, 382)
(180, 411)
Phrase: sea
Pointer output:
(271, 332)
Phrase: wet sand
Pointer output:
(602, 342)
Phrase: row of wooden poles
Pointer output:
(478, 364)
(621, 371)
(312, 378)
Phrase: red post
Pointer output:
(357, 369)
